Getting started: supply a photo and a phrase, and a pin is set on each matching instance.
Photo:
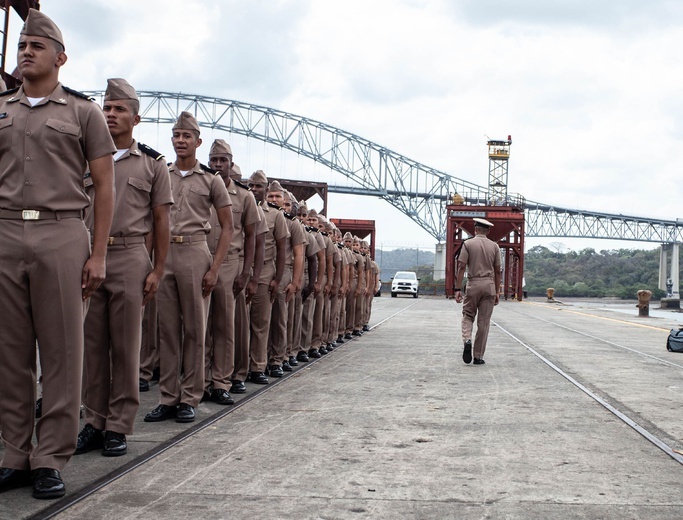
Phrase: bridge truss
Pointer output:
(417, 190)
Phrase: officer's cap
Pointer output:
(480, 222)
(258, 177)
(39, 24)
(186, 121)
(220, 147)
(276, 186)
(119, 88)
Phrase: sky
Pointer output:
(589, 90)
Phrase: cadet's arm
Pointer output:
(224, 215)
(161, 238)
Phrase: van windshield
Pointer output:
(405, 276)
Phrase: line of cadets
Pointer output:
(248, 282)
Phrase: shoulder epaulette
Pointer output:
(324, 233)
(150, 151)
(241, 185)
(459, 250)
(169, 164)
(289, 215)
(270, 204)
(207, 169)
(77, 93)
(340, 246)
(10, 91)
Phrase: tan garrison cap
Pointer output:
(235, 171)
(275, 186)
(186, 121)
(313, 213)
(291, 197)
(119, 88)
(364, 243)
(482, 223)
(348, 236)
(323, 219)
(220, 147)
(303, 206)
(39, 24)
(258, 177)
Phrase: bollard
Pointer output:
(551, 293)
(644, 303)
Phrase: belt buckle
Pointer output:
(178, 240)
(110, 241)
(30, 214)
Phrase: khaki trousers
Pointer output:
(293, 324)
(351, 307)
(360, 310)
(333, 322)
(149, 344)
(480, 298)
(242, 333)
(183, 314)
(219, 361)
(318, 312)
(307, 313)
(259, 314)
(277, 339)
(41, 264)
(113, 327)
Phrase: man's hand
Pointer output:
(93, 275)
(209, 282)
(273, 288)
(240, 283)
(151, 286)
(250, 289)
(497, 300)
(290, 291)
(458, 296)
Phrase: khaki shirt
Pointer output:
(142, 183)
(312, 246)
(244, 213)
(194, 195)
(277, 229)
(44, 150)
(482, 257)
(297, 237)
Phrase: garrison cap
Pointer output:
(356, 239)
(312, 213)
(480, 222)
(303, 206)
(259, 177)
(39, 24)
(220, 147)
(322, 219)
(363, 243)
(348, 236)
(235, 171)
(276, 186)
(291, 197)
(119, 88)
(186, 121)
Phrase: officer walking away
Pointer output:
(480, 256)
(47, 273)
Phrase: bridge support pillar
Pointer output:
(668, 275)
(440, 262)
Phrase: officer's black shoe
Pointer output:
(115, 444)
(322, 351)
(356, 333)
(144, 385)
(479, 361)
(276, 371)
(313, 353)
(39, 408)
(11, 478)
(220, 396)
(366, 328)
(330, 347)
(302, 356)
(238, 387)
(185, 413)
(161, 413)
(340, 339)
(47, 483)
(348, 336)
(88, 439)
(293, 362)
(258, 378)
(286, 367)
(467, 352)
(156, 373)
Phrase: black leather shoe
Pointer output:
(206, 396)
(348, 336)
(115, 444)
(156, 373)
(144, 385)
(357, 333)
(88, 439)
(39, 408)
(467, 352)
(47, 483)
(322, 351)
(366, 328)
(220, 396)
(330, 347)
(478, 361)
(286, 367)
(276, 371)
(293, 362)
(185, 413)
(258, 378)
(161, 413)
(238, 387)
(313, 353)
(11, 478)
(340, 339)
(302, 356)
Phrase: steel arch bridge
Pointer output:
(419, 191)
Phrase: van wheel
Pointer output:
(393, 295)
(415, 295)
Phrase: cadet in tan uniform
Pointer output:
(361, 288)
(269, 282)
(113, 324)
(353, 285)
(190, 275)
(47, 272)
(481, 257)
(335, 290)
(232, 279)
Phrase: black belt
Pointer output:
(188, 239)
(34, 214)
(124, 241)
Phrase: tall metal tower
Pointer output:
(499, 153)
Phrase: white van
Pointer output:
(405, 282)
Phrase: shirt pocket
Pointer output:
(62, 138)
(6, 134)
(138, 192)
